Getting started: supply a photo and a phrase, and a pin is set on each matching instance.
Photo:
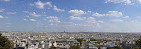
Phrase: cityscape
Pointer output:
(64, 40)
(70, 24)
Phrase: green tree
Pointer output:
(80, 41)
(74, 47)
(78, 47)
(27, 45)
(137, 48)
(138, 43)
(52, 47)
(92, 39)
(5, 43)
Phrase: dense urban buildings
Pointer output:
(66, 40)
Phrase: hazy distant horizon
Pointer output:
(69, 32)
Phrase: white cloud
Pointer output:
(6, 0)
(114, 13)
(125, 2)
(1, 10)
(34, 14)
(51, 24)
(139, 1)
(89, 11)
(117, 20)
(24, 19)
(100, 21)
(84, 25)
(77, 18)
(91, 20)
(57, 9)
(26, 11)
(88, 21)
(120, 1)
(53, 19)
(98, 15)
(11, 12)
(26, 16)
(1, 16)
(77, 24)
(110, 13)
(31, 4)
(126, 17)
(49, 4)
(32, 20)
(76, 12)
(41, 5)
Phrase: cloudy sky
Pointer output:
(70, 15)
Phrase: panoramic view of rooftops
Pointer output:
(70, 24)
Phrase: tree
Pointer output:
(5, 43)
(92, 39)
(52, 47)
(78, 47)
(74, 47)
(27, 45)
(80, 41)
(138, 43)
(137, 48)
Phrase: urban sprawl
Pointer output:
(63, 40)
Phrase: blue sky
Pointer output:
(70, 15)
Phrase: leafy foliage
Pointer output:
(137, 48)
(80, 40)
(138, 44)
(4, 43)
(74, 47)
(92, 39)
(52, 47)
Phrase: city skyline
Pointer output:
(70, 15)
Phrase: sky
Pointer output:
(70, 15)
